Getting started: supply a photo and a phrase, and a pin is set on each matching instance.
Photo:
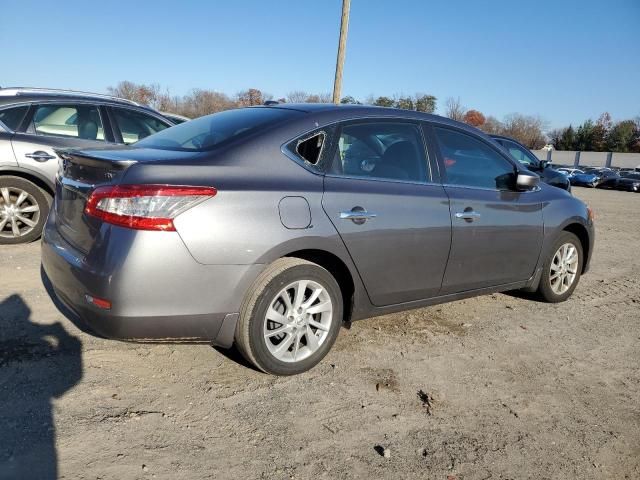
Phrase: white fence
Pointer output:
(591, 159)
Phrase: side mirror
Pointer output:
(526, 181)
(543, 164)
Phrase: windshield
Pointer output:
(205, 133)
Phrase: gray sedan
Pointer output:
(270, 227)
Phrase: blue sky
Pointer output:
(565, 60)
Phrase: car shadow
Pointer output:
(38, 363)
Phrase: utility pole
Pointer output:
(342, 45)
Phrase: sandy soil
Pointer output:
(495, 387)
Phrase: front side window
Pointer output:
(76, 121)
(470, 162)
(135, 125)
(520, 154)
(12, 117)
(381, 150)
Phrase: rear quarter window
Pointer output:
(12, 117)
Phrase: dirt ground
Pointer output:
(497, 387)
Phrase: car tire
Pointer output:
(277, 323)
(562, 269)
(23, 210)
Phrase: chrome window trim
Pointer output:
(470, 187)
(384, 180)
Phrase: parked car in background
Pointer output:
(616, 181)
(541, 167)
(580, 178)
(33, 123)
(269, 227)
(175, 118)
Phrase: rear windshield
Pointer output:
(205, 133)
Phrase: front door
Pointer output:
(394, 222)
(497, 232)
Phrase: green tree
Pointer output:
(425, 103)
(584, 137)
(567, 139)
(623, 136)
(384, 102)
(405, 103)
(349, 100)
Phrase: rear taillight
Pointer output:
(144, 207)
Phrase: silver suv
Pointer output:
(34, 122)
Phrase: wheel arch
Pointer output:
(39, 180)
(581, 232)
(336, 267)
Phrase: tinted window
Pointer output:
(77, 121)
(471, 162)
(12, 117)
(205, 133)
(521, 154)
(135, 125)
(390, 151)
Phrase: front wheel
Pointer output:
(23, 210)
(561, 271)
(290, 318)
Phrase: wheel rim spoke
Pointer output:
(318, 325)
(26, 221)
(29, 209)
(301, 287)
(14, 228)
(312, 340)
(277, 331)
(320, 307)
(5, 195)
(21, 198)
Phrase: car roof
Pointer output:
(13, 95)
(330, 112)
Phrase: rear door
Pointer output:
(497, 232)
(57, 125)
(131, 125)
(384, 198)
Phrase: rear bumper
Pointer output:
(157, 290)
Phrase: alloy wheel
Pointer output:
(564, 268)
(19, 212)
(298, 321)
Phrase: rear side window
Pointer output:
(472, 163)
(76, 121)
(206, 133)
(381, 150)
(12, 117)
(135, 125)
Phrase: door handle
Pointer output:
(358, 215)
(40, 156)
(469, 216)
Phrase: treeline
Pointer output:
(601, 136)
(198, 102)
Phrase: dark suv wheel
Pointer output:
(23, 210)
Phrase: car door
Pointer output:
(131, 125)
(385, 201)
(53, 125)
(497, 232)
(10, 119)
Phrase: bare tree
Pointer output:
(251, 97)
(527, 129)
(297, 96)
(454, 109)
(203, 102)
(491, 125)
(141, 93)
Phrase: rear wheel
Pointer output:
(23, 210)
(290, 318)
(561, 271)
